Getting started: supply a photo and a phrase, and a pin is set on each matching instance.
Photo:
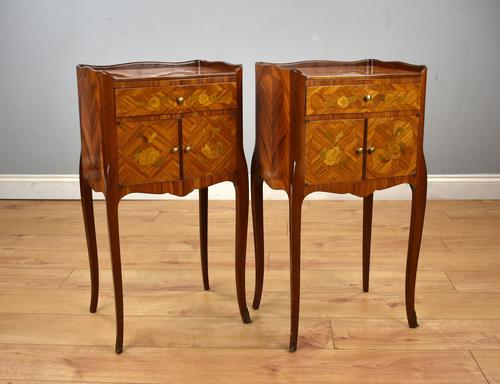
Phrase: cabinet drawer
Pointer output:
(148, 152)
(173, 99)
(362, 98)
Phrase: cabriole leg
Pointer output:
(295, 211)
(89, 222)
(419, 193)
(258, 236)
(367, 238)
(114, 246)
(241, 187)
(203, 202)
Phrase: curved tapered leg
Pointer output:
(367, 238)
(419, 194)
(114, 246)
(241, 187)
(258, 236)
(89, 222)
(203, 202)
(295, 210)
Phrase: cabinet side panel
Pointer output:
(89, 97)
(272, 145)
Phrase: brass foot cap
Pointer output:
(118, 348)
(245, 316)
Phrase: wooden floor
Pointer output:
(177, 333)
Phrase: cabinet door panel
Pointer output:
(145, 152)
(395, 143)
(331, 151)
(212, 142)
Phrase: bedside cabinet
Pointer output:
(341, 127)
(160, 128)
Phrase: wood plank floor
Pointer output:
(177, 333)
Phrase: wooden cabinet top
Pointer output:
(369, 68)
(155, 70)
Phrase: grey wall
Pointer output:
(42, 41)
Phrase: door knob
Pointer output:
(367, 97)
(180, 100)
(187, 149)
(359, 150)
(371, 149)
(175, 149)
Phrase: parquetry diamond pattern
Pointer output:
(331, 151)
(163, 100)
(351, 98)
(145, 152)
(212, 140)
(395, 143)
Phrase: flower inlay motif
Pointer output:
(343, 101)
(396, 147)
(147, 155)
(203, 99)
(214, 148)
(154, 102)
(335, 154)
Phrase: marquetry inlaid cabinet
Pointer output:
(342, 127)
(160, 128)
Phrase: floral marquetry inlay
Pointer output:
(154, 102)
(396, 146)
(212, 140)
(331, 151)
(165, 99)
(145, 151)
(395, 143)
(343, 101)
(214, 148)
(362, 98)
(213, 152)
(333, 155)
(148, 157)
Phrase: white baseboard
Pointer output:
(441, 187)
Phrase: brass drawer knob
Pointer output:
(371, 149)
(359, 151)
(180, 100)
(187, 149)
(175, 150)
(367, 97)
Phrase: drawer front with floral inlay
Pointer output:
(174, 99)
(209, 144)
(148, 152)
(362, 98)
(333, 151)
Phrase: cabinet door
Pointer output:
(394, 140)
(331, 151)
(209, 144)
(147, 152)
